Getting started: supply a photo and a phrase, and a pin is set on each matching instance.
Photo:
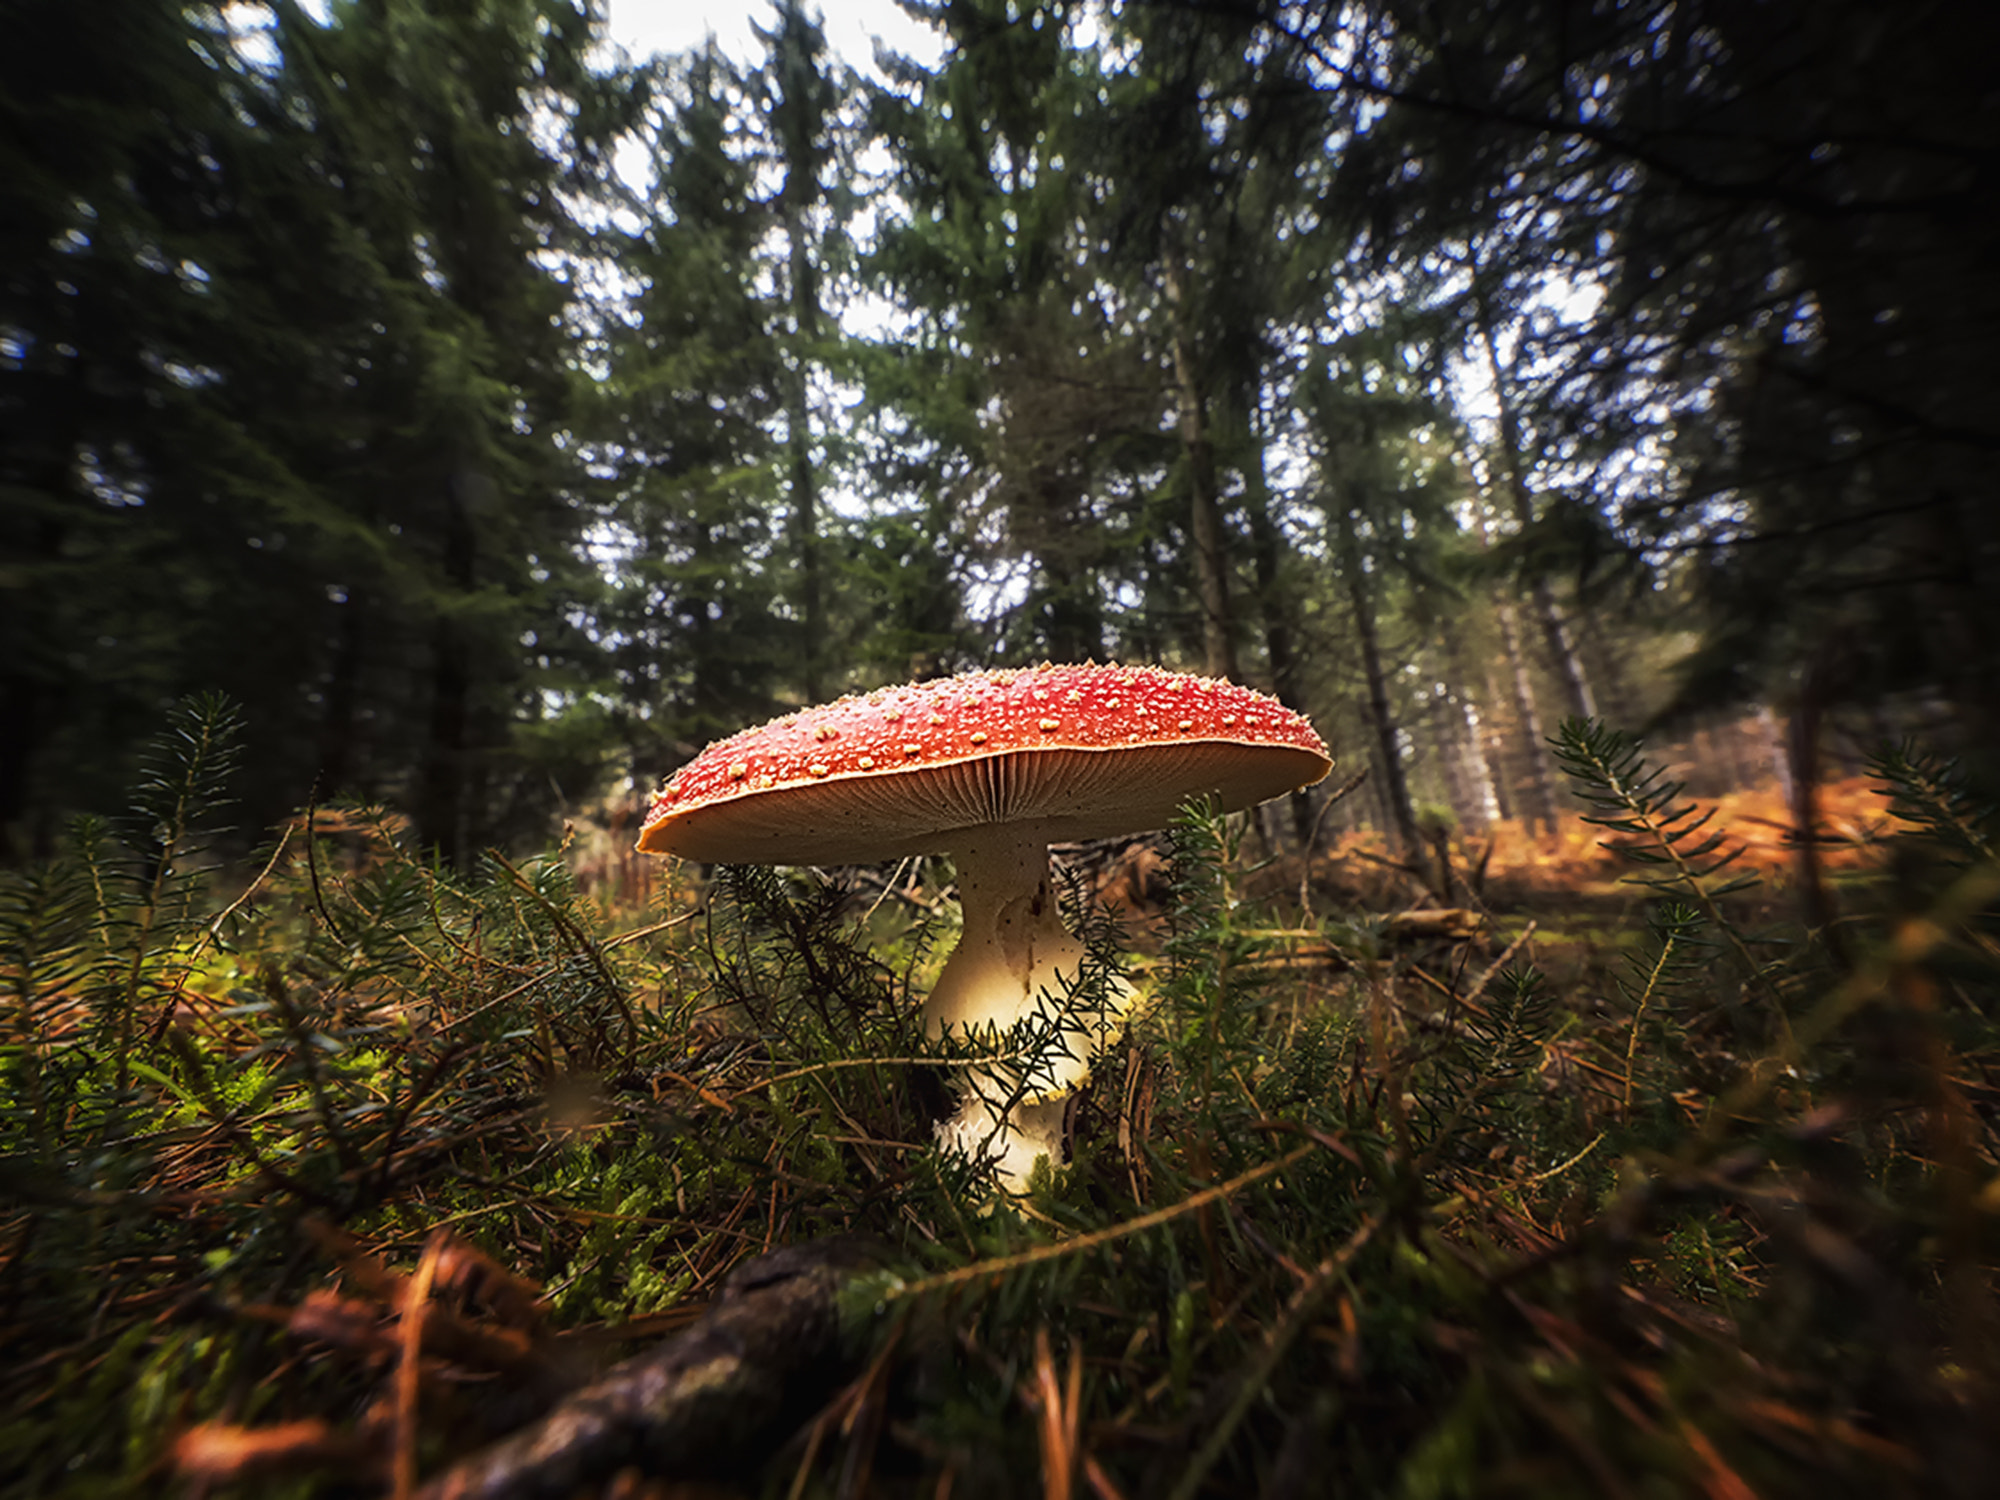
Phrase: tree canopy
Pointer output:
(1445, 366)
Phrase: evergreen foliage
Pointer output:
(344, 373)
(1671, 839)
(1932, 793)
(316, 264)
(1631, 797)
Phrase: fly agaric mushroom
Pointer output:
(990, 768)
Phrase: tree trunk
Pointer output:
(1538, 805)
(1479, 736)
(20, 710)
(1485, 745)
(339, 733)
(440, 793)
(440, 810)
(1274, 610)
(1562, 651)
(805, 500)
(1493, 749)
(1440, 724)
(1069, 609)
(31, 691)
(1478, 772)
(1211, 558)
(1555, 631)
(1393, 785)
(798, 127)
(1773, 746)
(1610, 682)
(1455, 729)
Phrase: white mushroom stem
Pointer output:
(1014, 958)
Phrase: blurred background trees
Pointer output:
(1444, 366)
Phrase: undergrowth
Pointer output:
(1407, 1220)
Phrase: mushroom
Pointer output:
(990, 768)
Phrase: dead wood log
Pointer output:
(1451, 924)
(769, 1351)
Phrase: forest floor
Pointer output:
(358, 1177)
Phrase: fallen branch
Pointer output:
(769, 1347)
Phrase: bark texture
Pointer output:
(1394, 785)
(1538, 802)
(716, 1399)
(1211, 558)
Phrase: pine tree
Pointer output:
(1028, 377)
(320, 290)
(685, 435)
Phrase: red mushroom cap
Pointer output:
(1079, 751)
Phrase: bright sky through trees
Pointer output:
(852, 27)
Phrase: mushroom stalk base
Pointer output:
(1013, 964)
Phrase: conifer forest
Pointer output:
(425, 426)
